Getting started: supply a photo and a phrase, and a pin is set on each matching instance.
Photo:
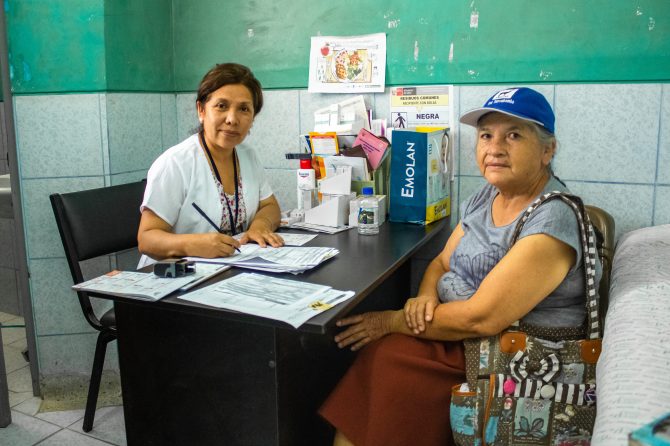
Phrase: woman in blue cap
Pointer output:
(398, 390)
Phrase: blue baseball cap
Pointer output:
(524, 103)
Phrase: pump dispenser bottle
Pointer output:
(306, 179)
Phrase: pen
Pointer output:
(209, 220)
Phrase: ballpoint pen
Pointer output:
(209, 220)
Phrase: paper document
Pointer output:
(290, 301)
(286, 259)
(319, 228)
(145, 286)
(203, 271)
(345, 117)
(374, 147)
(359, 166)
(292, 239)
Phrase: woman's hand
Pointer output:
(419, 310)
(263, 237)
(213, 244)
(364, 328)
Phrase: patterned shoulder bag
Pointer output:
(534, 385)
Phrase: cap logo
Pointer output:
(503, 96)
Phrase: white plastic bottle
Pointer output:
(306, 178)
(368, 213)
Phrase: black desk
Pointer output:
(196, 375)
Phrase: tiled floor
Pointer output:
(29, 427)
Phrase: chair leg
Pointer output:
(96, 375)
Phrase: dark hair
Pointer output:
(228, 74)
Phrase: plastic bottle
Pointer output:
(306, 178)
(368, 213)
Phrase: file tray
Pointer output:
(381, 180)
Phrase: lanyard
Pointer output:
(233, 219)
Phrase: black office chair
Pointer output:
(93, 223)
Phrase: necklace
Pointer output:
(231, 216)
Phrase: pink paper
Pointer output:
(373, 147)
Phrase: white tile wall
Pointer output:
(607, 132)
(42, 236)
(59, 135)
(134, 126)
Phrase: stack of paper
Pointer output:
(147, 286)
(286, 259)
(285, 300)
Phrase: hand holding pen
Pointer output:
(209, 220)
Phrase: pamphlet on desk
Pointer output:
(290, 301)
(147, 286)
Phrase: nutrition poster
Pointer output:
(347, 64)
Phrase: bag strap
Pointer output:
(588, 240)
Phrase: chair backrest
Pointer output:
(97, 222)
(604, 224)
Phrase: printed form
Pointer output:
(285, 300)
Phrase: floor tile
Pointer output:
(4, 317)
(16, 320)
(63, 418)
(14, 360)
(16, 398)
(12, 333)
(26, 431)
(30, 406)
(69, 438)
(108, 425)
(19, 344)
(19, 380)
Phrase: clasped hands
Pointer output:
(367, 327)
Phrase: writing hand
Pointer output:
(364, 328)
(214, 244)
(419, 310)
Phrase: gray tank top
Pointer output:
(484, 244)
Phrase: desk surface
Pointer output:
(363, 263)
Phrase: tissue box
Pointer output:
(656, 433)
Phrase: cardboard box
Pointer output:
(333, 211)
(420, 177)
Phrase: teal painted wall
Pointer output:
(56, 46)
(138, 45)
(516, 41)
(166, 45)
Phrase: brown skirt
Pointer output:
(397, 392)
